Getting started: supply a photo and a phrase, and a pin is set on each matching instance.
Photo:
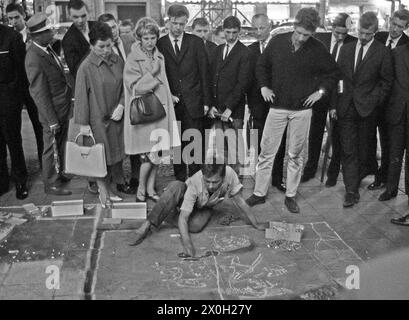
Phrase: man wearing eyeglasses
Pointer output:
(392, 39)
(367, 79)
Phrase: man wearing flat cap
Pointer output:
(52, 94)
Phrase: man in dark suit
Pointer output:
(392, 39)
(187, 71)
(258, 107)
(397, 118)
(201, 28)
(52, 94)
(12, 76)
(367, 77)
(76, 41)
(230, 71)
(122, 48)
(333, 41)
(16, 16)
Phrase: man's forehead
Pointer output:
(262, 22)
(399, 22)
(182, 19)
(79, 12)
(201, 28)
(303, 31)
(232, 30)
(341, 30)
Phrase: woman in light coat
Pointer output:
(144, 73)
(99, 105)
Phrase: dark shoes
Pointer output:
(255, 200)
(280, 186)
(376, 185)
(403, 221)
(57, 191)
(125, 188)
(387, 195)
(64, 179)
(351, 199)
(291, 204)
(307, 177)
(331, 182)
(21, 191)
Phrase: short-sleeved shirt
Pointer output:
(197, 196)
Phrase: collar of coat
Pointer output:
(97, 60)
(139, 55)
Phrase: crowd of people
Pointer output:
(290, 83)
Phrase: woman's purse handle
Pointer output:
(85, 135)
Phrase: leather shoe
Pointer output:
(125, 188)
(331, 182)
(64, 179)
(292, 205)
(387, 195)
(255, 200)
(21, 191)
(280, 186)
(403, 221)
(350, 200)
(57, 191)
(376, 185)
(307, 177)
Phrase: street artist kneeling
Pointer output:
(198, 200)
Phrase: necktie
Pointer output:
(227, 52)
(55, 57)
(119, 51)
(390, 44)
(177, 49)
(335, 51)
(360, 55)
(263, 46)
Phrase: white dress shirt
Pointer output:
(228, 47)
(366, 48)
(264, 44)
(394, 41)
(180, 41)
(24, 34)
(333, 42)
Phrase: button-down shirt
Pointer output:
(172, 41)
(86, 32)
(24, 34)
(263, 44)
(394, 41)
(366, 48)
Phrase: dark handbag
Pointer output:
(145, 109)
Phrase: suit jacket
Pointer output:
(12, 74)
(369, 86)
(75, 47)
(258, 107)
(230, 79)
(382, 36)
(399, 99)
(210, 49)
(188, 74)
(48, 86)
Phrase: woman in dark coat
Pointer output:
(99, 105)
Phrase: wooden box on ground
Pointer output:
(67, 208)
(284, 231)
(129, 210)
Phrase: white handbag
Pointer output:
(85, 161)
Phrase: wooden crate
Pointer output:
(129, 210)
(67, 208)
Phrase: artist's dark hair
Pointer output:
(401, 14)
(15, 7)
(200, 22)
(100, 31)
(214, 166)
(307, 18)
(218, 30)
(77, 5)
(105, 17)
(177, 11)
(368, 20)
(341, 20)
(231, 22)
